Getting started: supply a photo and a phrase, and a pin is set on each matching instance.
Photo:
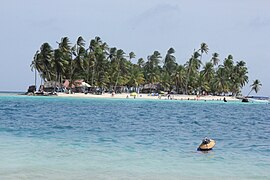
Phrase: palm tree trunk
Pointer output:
(70, 75)
(177, 87)
(35, 78)
(40, 79)
(187, 81)
(93, 73)
(116, 80)
(88, 72)
(250, 92)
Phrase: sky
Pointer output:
(237, 27)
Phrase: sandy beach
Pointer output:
(147, 96)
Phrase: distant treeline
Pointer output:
(108, 67)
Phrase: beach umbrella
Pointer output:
(133, 94)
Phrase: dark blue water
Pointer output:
(65, 138)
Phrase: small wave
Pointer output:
(62, 127)
(107, 140)
(195, 122)
(7, 130)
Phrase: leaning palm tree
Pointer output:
(255, 86)
(34, 65)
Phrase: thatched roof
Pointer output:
(150, 86)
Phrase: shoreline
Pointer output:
(149, 97)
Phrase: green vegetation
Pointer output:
(108, 67)
(255, 86)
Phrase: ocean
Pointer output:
(76, 138)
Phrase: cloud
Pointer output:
(260, 22)
(154, 14)
(44, 23)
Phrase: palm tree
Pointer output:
(220, 82)
(215, 59)
(255, 86)
(92, 56)
(152, 69)
(140, 62)
(34, 65)
(170, 62)
(95, 62)
(226, 70)
(202, 83)
(166, 81)
(207, 74)
(136, 76)
(131, 55)
(239, 77)
(66, 53)
(79, 59)
(80, 41)
(119, 60)
(179, 77)
(58, 64)
(78, 50)
(101, 63)
(204, 49)
(45, 58)
(109, 67)
(228, 63)
(192, 66)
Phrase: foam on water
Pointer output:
(64, 138)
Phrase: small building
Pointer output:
(151, 88)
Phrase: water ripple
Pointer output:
(145, 136)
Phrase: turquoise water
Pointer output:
(66, 138)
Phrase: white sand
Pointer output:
(146, 96)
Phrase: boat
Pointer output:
(259, 99)
(207, 144)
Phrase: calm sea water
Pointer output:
(65, 138)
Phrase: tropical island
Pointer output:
(98, 68)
